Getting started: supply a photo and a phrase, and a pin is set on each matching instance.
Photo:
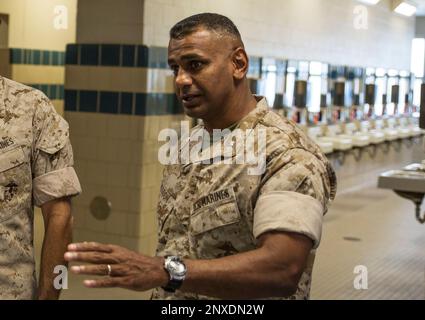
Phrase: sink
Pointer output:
(408, 183)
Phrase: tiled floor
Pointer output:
(377, 229)
(365, 226)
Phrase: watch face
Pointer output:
(177, 268)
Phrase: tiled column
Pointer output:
(118, 96)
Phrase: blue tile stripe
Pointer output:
(36, 57)
(125, 55)
(129, 103)
(116, 55)
(52, 91)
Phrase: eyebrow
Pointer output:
(188, 56)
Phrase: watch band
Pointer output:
(172, 285)
(175, 279)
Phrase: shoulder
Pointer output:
(284, 135)
(21, 100)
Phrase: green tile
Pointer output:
(46, 58)
(16, 56)
(36, 57)
(55, 58)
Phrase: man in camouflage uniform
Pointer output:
(237, 234)
(35, 169)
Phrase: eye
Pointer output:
(196, 65)
(175, 70)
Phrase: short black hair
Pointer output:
(210, 21)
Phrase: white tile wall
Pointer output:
(122, 166)
(299, 29)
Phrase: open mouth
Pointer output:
(190, 100)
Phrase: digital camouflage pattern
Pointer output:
(35, 166)
(206, 211)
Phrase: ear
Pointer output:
(240, 63)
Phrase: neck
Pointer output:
(241, 103)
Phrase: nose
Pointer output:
(183, 79)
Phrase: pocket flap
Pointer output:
(11, 158)
(218, 213)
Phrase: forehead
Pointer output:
(200, 42)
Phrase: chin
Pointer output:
(196, 112)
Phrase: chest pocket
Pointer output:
(215, 210)
(14, 180)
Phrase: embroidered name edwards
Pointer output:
(212, 198)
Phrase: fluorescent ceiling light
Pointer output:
(404, 8)
(373, 2)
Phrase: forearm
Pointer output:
(249, 275)
(58, 234)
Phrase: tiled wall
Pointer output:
(34, 24)
(40, 69)
(37, 57)
(116, 106)
(320, 30)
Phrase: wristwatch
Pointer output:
(177, 271)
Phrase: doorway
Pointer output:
(4, 30)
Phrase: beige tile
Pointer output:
(96, 173)
(106, 78)
(131, 243)
(134, 128)
(133, 223)
(142, 127)
(149, 177)
(148, 223)
(153, 128)
(119, 197)
(85, 147)
(117, 175)
(118, 126)
(125, 150)
(147, 245)
(97, 124)
(107, 150)
(93, 224)
(135, 203)
(134, 176)
(77, 123)
(137, 155)
(117, 223)
(33, 74)
(79, 213)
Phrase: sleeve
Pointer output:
(52, 161)
(294, 195)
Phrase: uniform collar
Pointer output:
(252, 118)
(246, 123)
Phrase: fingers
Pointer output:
(103, 283)
(90, 257)
(100, 270)
(90, 246)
